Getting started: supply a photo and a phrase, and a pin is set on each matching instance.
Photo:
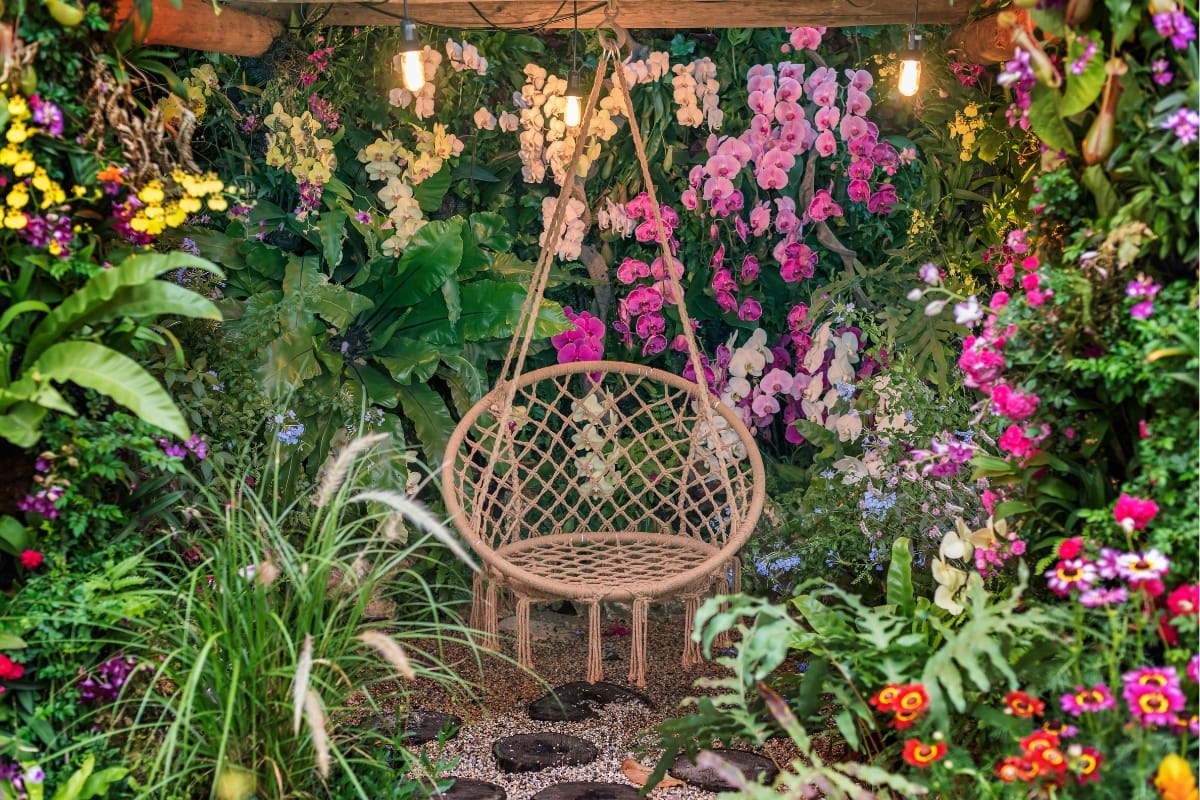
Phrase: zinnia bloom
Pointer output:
(1071, 573)
(1023, 705)
(1098, 698)
(1184, 601)
(1152, 706)
(1147, 566)
(1087, 765)
(920, 754)
(1133, 514)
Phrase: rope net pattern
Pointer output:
(606, 482)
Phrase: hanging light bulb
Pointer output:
(910, 65)
(573, 112)
(412, 71)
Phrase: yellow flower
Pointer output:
(971, 110)
(17, 198)
(15, 220)
(151, 193)
(24, 165)
(41, 181)
(16, 133)
(175, 216)
(218, 203)
(190, 204)
(1174, 779)
(10, 155)
(18, 108)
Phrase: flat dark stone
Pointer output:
(471, 789)
(426, 726)
(578, 700)
(530, 752)
(758, 769)
(587, 790)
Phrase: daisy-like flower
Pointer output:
(912, 698)
(1015, 768)
(1097, 698)
(1023, 705)
(885, 698)
(1152, 706)
(1147, 566)
(1086, 765)
(1106, 564)
(1150, 677)
(1060, 729)
(1185, 600)
(1071, 573)
(920, 754)
(1193, 668)
(1189, 723)
(1100, 596)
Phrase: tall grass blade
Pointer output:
(341, 467)
(417, 513)
(300, 682)
(392, 652)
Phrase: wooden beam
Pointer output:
(985, 40)
(634, 14)
(196, 25)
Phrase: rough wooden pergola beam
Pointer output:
(196, 25)
(640, 14)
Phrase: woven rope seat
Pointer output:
(601, 481)
(607, 482)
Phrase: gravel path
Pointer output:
(559, 652)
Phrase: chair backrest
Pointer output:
(601, 447)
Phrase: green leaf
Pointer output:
(453, 301)
(1107, 201)
(337, 305)
(291, 360)
(848, 727)
(429, 192)
(17, 309)
(1082, 90)
(491, 231)
(10, 641)
(491, 309)
(430, 418)
(415, 360)
(20, 423)
(111, 294)
(103, 369)
(14, 537)
(1046, 122)
(332, 229)
(899, 578)
(431, 258)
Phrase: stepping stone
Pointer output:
(578, 700)
(587, 790)
(756, 768)
(530, 752)
(425, 726)
(471, 789)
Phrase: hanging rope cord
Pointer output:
(518, 348)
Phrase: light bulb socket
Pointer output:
(914, 46)
(574, 87)
(409, 41)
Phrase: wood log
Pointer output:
(634, 14)
(197, 25)
(985, 40)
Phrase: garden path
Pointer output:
(503, 693)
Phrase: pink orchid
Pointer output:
(822, 207)
(750, 269)
(825, 93)
(825, 144)
(760, 218)
(857, 102)
(826, 118)
(852, 127)
(750, 310)
(790, 90)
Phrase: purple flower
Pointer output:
(1142, 310)
(1185, 123)
(1160, 73)
(105, 684)
(171, 449)
(1176, 26)
(1098, 597)
(46, 115)
(189, 246)
(363, 217)
(1078, 66)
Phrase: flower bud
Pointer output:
(934, 308)
(915, 295)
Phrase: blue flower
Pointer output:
(877, 505)
(291, 434)
(832, 559)
(845, 391)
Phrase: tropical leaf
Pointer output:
(430, 418)
(431, 258)
(126, 290)
(119, 377)
(899, 578)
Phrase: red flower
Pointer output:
(920, 754)
(1038, 741)
(1050, 759)
(1015, 768)
(1087, 765)
(1184, 601)
(1023, 705)
(885, 698)
(31, 559)
(9, 669)
(912, 698)
(1070, 548)
(905, 719)
(1133, 513)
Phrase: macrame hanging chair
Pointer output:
(601, 481)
